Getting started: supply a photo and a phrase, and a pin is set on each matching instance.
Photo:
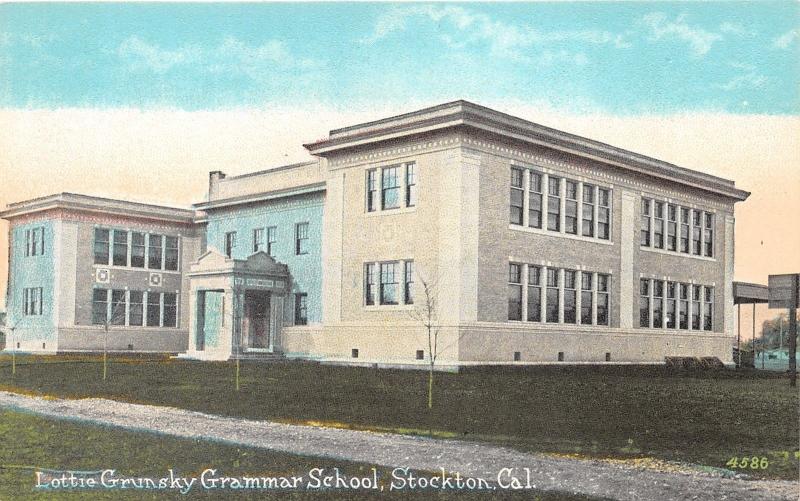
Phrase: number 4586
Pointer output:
(753, 463)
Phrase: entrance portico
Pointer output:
(236, 306)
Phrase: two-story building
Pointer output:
(530, 245)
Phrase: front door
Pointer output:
(257, 312)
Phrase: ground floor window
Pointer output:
(32, 301)
(301, 308)
(389, 283)
(132, 308)
(675, 305)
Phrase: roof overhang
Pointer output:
(466, 115)
(747, 293)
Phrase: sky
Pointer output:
(140, 101)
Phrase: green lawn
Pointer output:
(31, 443)
(615, 411)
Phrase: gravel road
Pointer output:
(475, 460)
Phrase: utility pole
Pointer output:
(793, 347)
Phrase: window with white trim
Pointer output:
(230, 243)
(32, 301)
(301, 238)
(589, 202)
(571, 208)
(517, 196)
(665, 304)
(674, 228)
(389, 283)
(514, 291)
(391, 187)
(272, 239)
(34, 242)
(258, 239)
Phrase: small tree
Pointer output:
(117, 313)
(12, 328)
(427, 314)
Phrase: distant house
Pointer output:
(544, 247)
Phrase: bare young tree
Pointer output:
(426, 313)
(117, 313)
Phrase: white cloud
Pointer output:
(229, 56)
(459, 27)
(786, 40)
(749, 78)
(660, 27)
(735, 29)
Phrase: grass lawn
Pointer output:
(31, 443)
(613, 411)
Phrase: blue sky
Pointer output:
(621, 58)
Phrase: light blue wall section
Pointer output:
(213, 318)
(284, 214)
(30, 272)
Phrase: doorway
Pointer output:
(256, 321)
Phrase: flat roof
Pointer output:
(75, 201)
(747, 293)
(469, 115)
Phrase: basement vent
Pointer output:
(44, 346)
(130, 346)
(354, 353)
(608, 356)
(517, 356)
(560, 356)
(420, 355)
(17, 345)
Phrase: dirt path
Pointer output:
(469, 459)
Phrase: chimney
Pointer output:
(214, 177)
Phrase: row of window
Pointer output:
(555, 295)
(572, 207)
(134, 308)
(135, 249)
(674, 305)
(389, 282)
(675, 228)
(34, 242)
(32, 301)
(398, 187)
(265, 239)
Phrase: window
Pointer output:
(658, 230)
(658, 304)
(708, 234)
(683, 306)
(34, 242)
(603, 300)
(390, 188)
(604, 214)
(32, 301)
(154, 251)
(137, 249)
(272, 238)
(708, 307)
(258, 239)
(514, 291)
(408, 282)
(570, 299)
(696, 232)
(120, 248)
(554, 204)
(99, 306)
(672, 227)
(644, 241)
(586, 298)
(153, 309)
(372, 190)
(411, 185)
(170, 309)
(696, 307)
(552, 304)
(517, 195)
(230, 243)
(389, 283)
(171, 253)
(301, 308)
(136, 308)
(101, 246)
(301, 238)
(118, 307)
(571, 208)
(644, 303)
(534, 294)
(671, 305)
(684, 230)
(535, 200)
(588, 210)
(369, 283)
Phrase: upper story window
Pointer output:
(230, 243)
(135, 249)
(34, 242)
(671, 227)
(32, 301)
(396, 184)
(258, 239)
(665, 304)
(301, 238)
(272, 239)
(390, 188)
(572, 207)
